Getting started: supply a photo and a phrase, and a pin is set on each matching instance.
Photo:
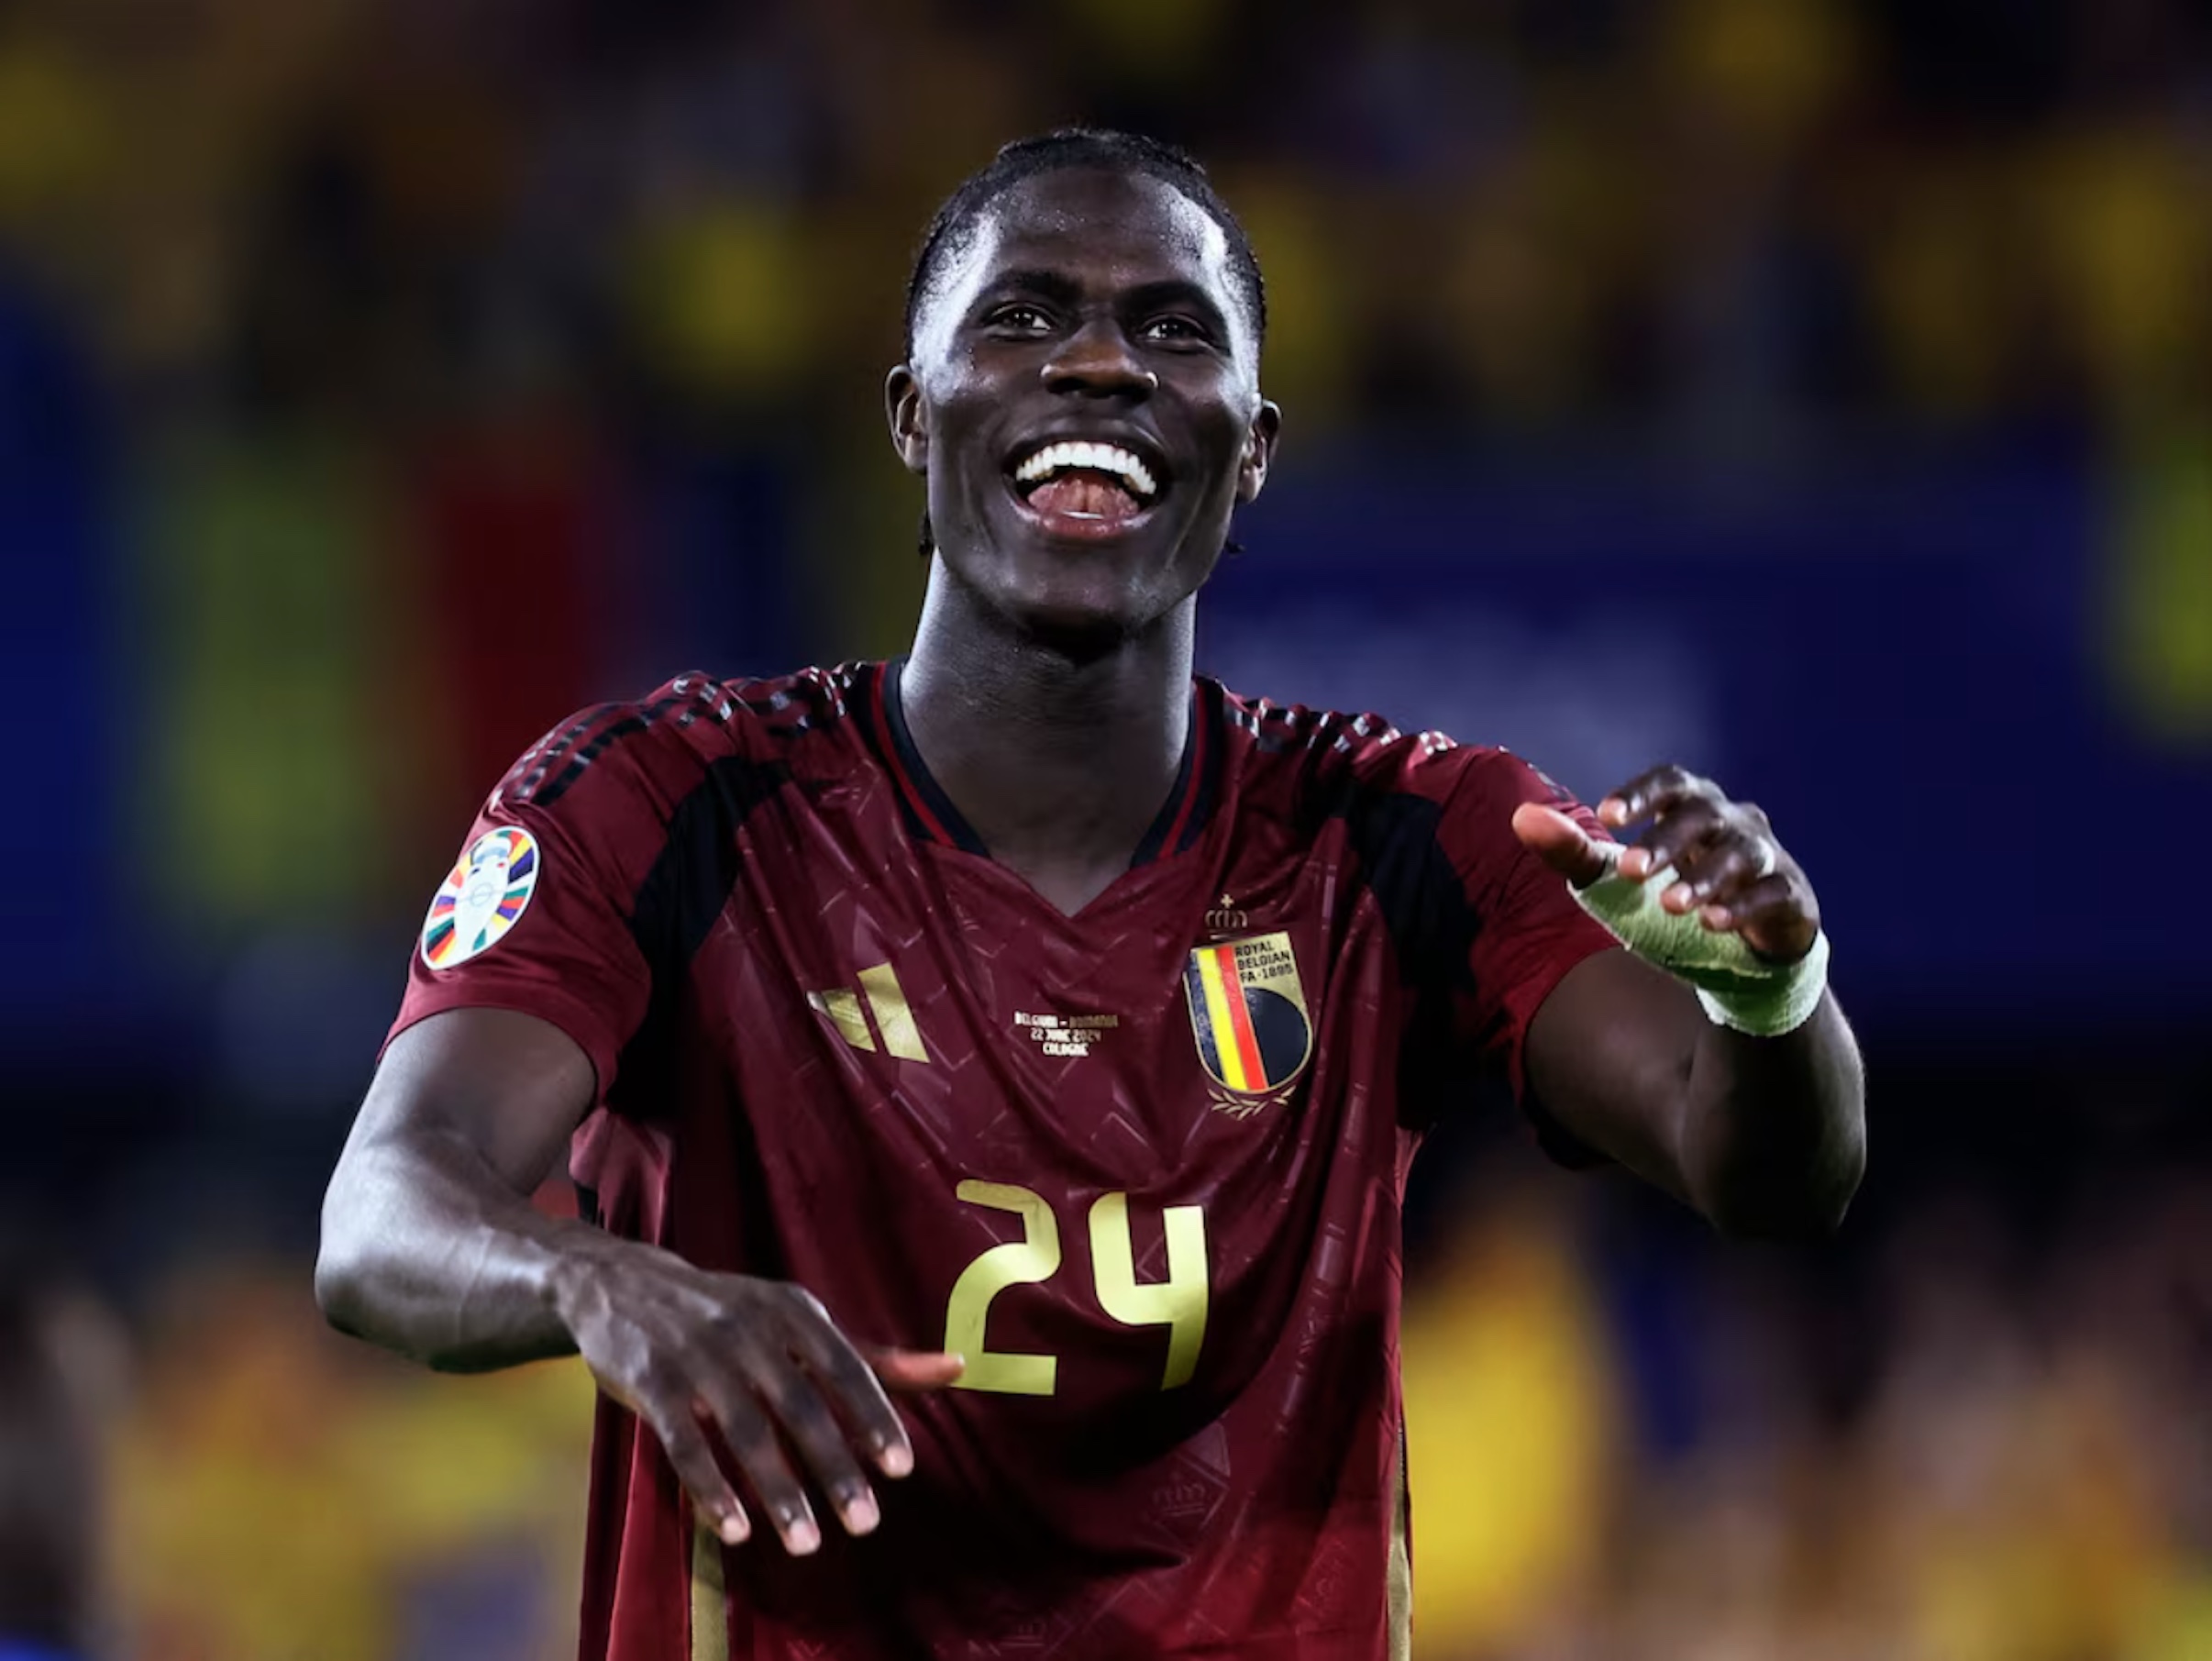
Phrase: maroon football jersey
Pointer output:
(1142, 1166)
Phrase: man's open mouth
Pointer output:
(1081, 484)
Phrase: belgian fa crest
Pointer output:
(1248, 1015)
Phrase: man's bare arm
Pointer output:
(1764, 1135)
(430, 1243)
(431, 1247)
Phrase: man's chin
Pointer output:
(1070, 622)
(1079, 599)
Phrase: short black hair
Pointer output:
(1069, 147)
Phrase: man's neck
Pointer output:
(1058, 761)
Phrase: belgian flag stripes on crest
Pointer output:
(1248, 1012)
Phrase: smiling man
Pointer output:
(1042, 1033)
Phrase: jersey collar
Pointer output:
(930, 814)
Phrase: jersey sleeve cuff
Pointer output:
(573, 1017)
(1561, 1145)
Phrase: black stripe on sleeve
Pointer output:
(578, 760)
(1424, 905)
(583, 741)
(691, 882)
(679, 899)
(528, 774)
(1432, 925)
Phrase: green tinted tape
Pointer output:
(1738, 988)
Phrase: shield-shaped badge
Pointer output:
(1248, 1012)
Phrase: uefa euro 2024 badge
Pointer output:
(481, 898)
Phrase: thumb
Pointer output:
(914, 1369)
(1560, 843)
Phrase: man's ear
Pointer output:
(1259, 450)
(902, 409)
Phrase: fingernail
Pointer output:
(1717, 918)
(860, 1514)
(1613, 810)
(897, 1459)
(802, 1539)
(1676, 898)
(735, 1530)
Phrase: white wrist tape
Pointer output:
(1738, 988)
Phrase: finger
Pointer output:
(1719, 871)
(844, 1401)
(693, 1459)
(857, 1393)
(1560, 843)
(1678, 836)
(1776, 915)
(855, 1379)
(916, 1370)
(809, 1424)
(753, 1444)
(1652, 791)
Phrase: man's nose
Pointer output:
(1095, 360)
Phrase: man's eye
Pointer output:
(1173, 328)
(1026, 319)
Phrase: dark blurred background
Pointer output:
(1816, 393)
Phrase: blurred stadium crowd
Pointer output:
(381, 379)
(377, 211)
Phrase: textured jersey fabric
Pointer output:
(1143, 1165)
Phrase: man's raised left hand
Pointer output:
(1728, 865)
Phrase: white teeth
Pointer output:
(1094, 458)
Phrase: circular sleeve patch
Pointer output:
(482, 897)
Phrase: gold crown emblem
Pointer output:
(1227, 918)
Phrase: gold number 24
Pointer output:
(1178, 1302)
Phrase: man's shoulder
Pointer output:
(1341, 753)
(692, 725)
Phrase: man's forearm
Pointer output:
(426, 1251)
(1774, 1130)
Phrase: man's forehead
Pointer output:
(1095, 217)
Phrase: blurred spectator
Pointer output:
(283, 1494)
(58, 1364)
(2028, 1479)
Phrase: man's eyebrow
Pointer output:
(1052, 285)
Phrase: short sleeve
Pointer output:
(536, 913)
(1529, 931)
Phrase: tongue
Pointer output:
(1096, 495)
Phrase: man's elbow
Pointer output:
(344, 1278)
(338, 1288)
(1804, 1206)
